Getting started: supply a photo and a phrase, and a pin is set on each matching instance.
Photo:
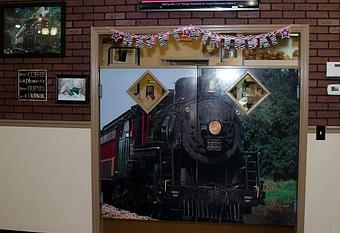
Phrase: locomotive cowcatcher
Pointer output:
(183, 160)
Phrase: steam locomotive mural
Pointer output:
(33, 29)
(183, 160)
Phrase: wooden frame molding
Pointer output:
(96, 32)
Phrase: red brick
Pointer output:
(282, 6)
(312, 99)
(42, 109)
(271, 14)
(282, 21)
(330, 22)
(62, 67)
(259, 21)
(265, 7)
(74, 2)
(328, 37)
(14, 116)
(74, 17)
(248, 14)
(312, 114)
(114, 2)
(32, 116)
(328, 99)
(313, 122)
(158, 15)
(168, 22)
(304, 6)
(103, 23)
(224, 14)
(93, 2)
(327, 114)
(334, 30)
(135, 15)
(103, 9)
(74, 45)
(81, 110)
(97, 16)
(328, 52)
(82, 24)
(294, 14)
(322, 67)
(13, 60)
(334, 106)
(317, 106)
(147, 22)
(315, 44)
(329, 7)
(213, 21)
(318, 29)
(335, 14)
(73, 31)
(334, 44)
(83, 9)
(115, 16)
(183, 14)
(125, 8)
(317, 14)
(6, 109)
(334, 122)
(191, 21)
(305, 21)
(125, 22)
(72, 117)
(52, 117)
(236, 21)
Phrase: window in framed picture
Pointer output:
(33, 30)
(125, 56)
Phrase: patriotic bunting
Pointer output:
(206, 37)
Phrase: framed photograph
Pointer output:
(228, 53)
(123, 55)
(33, 30)
(72, 89)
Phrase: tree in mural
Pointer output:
(273, 126)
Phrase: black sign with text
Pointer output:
(32, 85)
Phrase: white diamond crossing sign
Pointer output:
(147, 91)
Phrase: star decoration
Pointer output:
(116, 36)
(285, 33)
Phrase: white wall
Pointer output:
(323, 185)
(45, 179)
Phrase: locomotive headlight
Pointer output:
(215, 127)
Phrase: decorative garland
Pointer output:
(207, 37)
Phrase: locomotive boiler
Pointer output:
(184, 160)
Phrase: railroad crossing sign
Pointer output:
(147, 91)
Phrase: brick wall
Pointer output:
(323, 16)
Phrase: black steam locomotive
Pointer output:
(184, 160)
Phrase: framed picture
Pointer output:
(33, 30)
(72, 89)
(228, 53)
(123, 55)
(32, 85)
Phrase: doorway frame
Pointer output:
(97, 32)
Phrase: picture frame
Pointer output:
(33, 30)
(72, 89)
(124, 56)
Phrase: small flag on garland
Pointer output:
(162, 39)
(272, 37)
(227, 42)
(205, 38)
(150, 40)
(215, 40)
(139, 42)
(175, 35)
(194, 34)
(252, 42)
(128, 39)
(240, 43)
(264, 41)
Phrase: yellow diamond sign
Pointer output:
(147, 91)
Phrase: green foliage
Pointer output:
(273, 127)
(279, 207)
(283, 192)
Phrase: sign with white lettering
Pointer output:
(32, 85)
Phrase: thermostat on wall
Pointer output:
(333, 89)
